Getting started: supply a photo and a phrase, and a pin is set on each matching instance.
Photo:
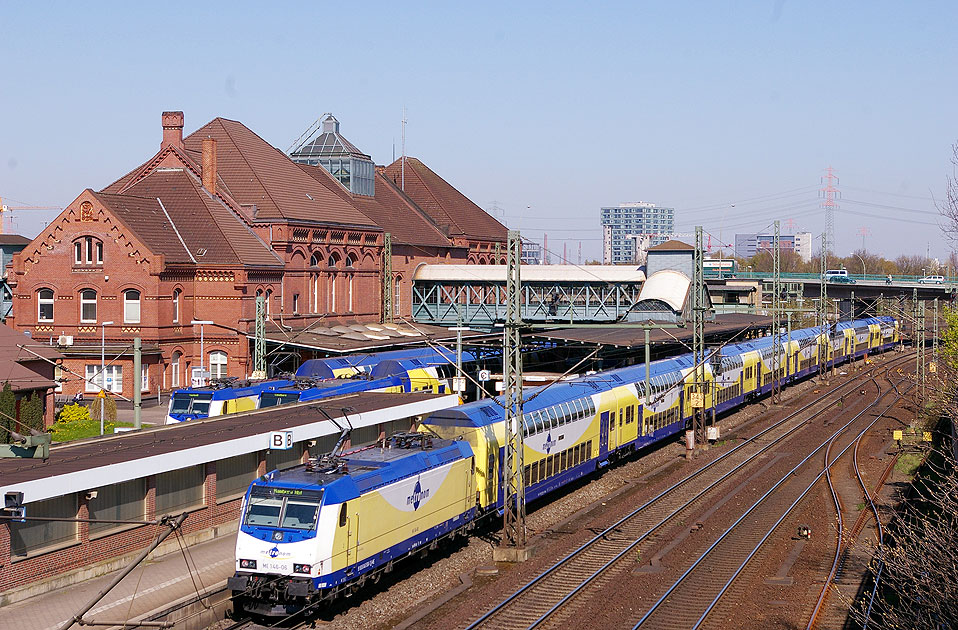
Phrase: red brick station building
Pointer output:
(213, 220)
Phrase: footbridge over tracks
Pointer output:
(447, 295)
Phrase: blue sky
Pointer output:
(547, 110)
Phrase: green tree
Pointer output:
(8, 413)
(31, 411)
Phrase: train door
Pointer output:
(604, 421)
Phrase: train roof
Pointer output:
(242, 388)
(489, 411)
(369, 467)
(323, 368)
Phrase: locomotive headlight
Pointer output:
(302, 568)
(247, 564)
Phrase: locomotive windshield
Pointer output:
(283, 508)
(191, 403)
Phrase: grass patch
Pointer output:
(68, 431)
(908, 463)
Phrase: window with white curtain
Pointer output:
(88, 305)
(217, 364)
(131, 306)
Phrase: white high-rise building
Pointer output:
(629, 229)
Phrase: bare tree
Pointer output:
(948, 207)
(916, 566)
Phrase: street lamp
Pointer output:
(201, 322)
(863, 264)
(103, 326)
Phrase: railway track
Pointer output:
(701, 590)
(548, 598)
(846, 539)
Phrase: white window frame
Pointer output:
(221, 366)
(94, 378)
(78, 252)
(176, 305)
(175, 368)
(144, 378)
(128, 303)
(84, 302)
(45, 301)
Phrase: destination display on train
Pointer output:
(263, 492)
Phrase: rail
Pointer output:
(761, 502)
(603, 537)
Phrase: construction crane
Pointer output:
(4, 209)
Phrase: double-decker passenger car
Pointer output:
(570, 428)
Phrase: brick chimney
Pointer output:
(209, 165)
(172, 130)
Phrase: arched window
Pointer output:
(175, 367)
(131, 306)
(331, 262)
(269, 295)
(88, 305)
(176, 305)
(350, 293)
(88, 251)
(349, 261)
(314, 260)
(45, 305)
(397, 296)
(217, 364)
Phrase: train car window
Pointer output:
(564, 459)
(553, 421)
(542, 469)
(621, 416)
(538, 419)
(342, 516)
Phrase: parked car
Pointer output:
(932, 280)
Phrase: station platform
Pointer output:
(149, 588)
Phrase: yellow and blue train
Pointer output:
(321, 530)
(405, 370)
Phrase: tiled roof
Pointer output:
(16, 363)
(447, 206)
(254, 172)
(14, 239)
(211, 232)
(390, 209)
(672, 246)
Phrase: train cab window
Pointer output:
(300, 515)
(342, 516)
(264, 511)
(553, 417)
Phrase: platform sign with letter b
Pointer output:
(280, 440)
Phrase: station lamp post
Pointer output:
(103, 326)
(201, 322)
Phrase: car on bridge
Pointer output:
(932, 280)
(838, 276)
